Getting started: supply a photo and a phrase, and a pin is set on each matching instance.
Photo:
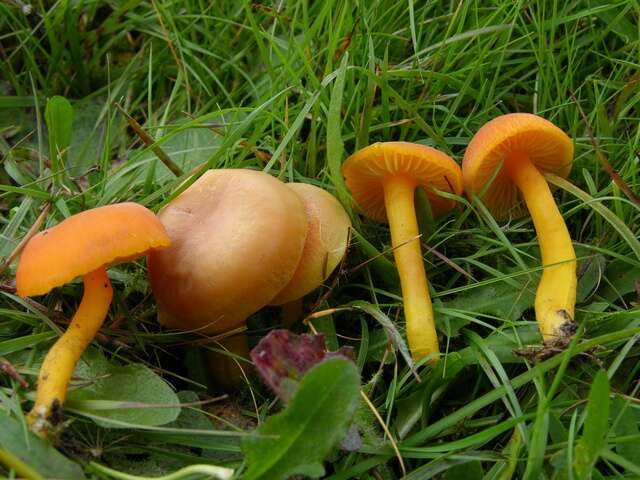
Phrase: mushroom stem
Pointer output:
(556, 294)
(291, 312)
(227, 371)
(405, 239)
(61, 359)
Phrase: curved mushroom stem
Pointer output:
(556, 294)
(418, 311)
(61, 359)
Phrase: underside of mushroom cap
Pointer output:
(367, 170)
(85, 242)
(512, 136)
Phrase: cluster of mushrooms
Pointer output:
(238, 240)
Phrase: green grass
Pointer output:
(308, 83)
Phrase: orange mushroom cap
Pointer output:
(366, 170)
(326, 244)
(85, 242)
(237, 237)
(547, 146)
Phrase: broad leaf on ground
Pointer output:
(500, 299)
(38, 454)
(58, 115)
(626, 423)
(296, 440)
(120, 396)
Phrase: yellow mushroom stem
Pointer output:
(418, 311)
(60, 362)
(556, 294)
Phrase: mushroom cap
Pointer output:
(547, 146)
(236, 240)
(326, 243)
(366, 171)
(85, 242)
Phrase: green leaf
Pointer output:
(590, 270)
(501, 300)
(385, 269)
(389, 327)
(122, 396)
(626, 423)
(17, 101)
(621, 280)
(88, 135)
(296, 440)
(619, 22)
(503, 344)
(58, 115)
(597, 422)
(417, 406)
(326, 326)
(186, 148)
(335, 145)
(623, 230)
(21, 343)
(538, 446)
(465, 471)
(424, 215)
(190, 418)
(36, 453)
(596, 426)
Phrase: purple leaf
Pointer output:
(282, 358)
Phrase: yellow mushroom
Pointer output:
(82, 245)
(518, 149)
(382, 178)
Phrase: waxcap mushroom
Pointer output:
(382, 178)
(524, 147)
(84, 242)
(237, 238)
(82, 245)
(325, 245)
(367, 171)
(546, 145)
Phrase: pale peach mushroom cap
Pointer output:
(85, 242)
(237, 238)
(547, 146)
(326, 243)
(366, 171)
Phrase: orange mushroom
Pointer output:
(382, 178)
(517, 149)
(82, 245)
